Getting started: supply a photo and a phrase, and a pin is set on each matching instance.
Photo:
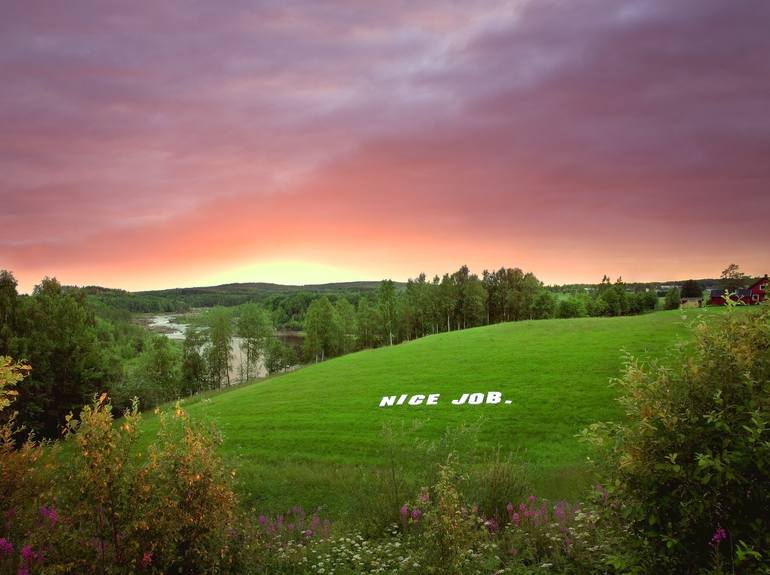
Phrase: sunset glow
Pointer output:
(151, 145)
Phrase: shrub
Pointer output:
(172, 513)
(451, 534)
(493, 484)
(691, 463)
(673, 299)
(94, 505)
(23, 482)
(570, 307)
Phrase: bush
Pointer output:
(495, 483)
(691, 464)
(570, 307)
(93, 505)
(452, 534)
(23, 483)
(673, 299)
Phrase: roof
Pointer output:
(739, 292)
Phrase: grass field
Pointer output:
(307, 437)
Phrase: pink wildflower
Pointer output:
(147, 559)
(6, 547)
(50, 514)
(719, 536)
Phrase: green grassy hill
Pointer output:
(308, 437)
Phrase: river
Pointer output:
(167, 325)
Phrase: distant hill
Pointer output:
(263, 287)
(288, 302)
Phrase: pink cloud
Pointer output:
(622, 138)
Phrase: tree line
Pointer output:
(452, 302)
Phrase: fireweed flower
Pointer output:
(719, 536)
(404, 511)
(416, 514)
(424, 497)
(49, 513)
(28, 553)
(147, 559)
(560, 512)
(6, 547)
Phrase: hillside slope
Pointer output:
(303, 437)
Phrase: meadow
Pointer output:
(312, 437)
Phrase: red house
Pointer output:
(752, 295)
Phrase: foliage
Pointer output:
(58, 334)
(153, 377)
(673, 299)
(386, 301)
(218, 354)
(688, 462)
(279, 356)
(450, 531)
(321, 329)
(255, 329)
(691, 288)
(569, 307)
(732, 278)
(100, 510)
(194, 371)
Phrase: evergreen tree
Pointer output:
(8, 304)
(58, 339)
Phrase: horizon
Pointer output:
(304, 144)
(429, 277)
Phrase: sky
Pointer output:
(150, 145)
